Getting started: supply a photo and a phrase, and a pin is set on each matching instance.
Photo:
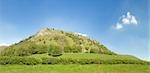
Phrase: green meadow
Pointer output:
(75, 68)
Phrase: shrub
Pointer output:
(19, 60)
(68, 49)
(39, 49)
(50, 60)
(55, 50)
(31, 61)
(94, 50)
(73, 49)
(76, 49)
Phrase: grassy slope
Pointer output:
(97, 56)
(75, 68)
(103, 57)
(72, 58)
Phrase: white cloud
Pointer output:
(81, 34)
(118, 26)
(127, 19)
(133, 20)
(4, 44)
(128, 15)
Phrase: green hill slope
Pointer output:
(49, 40)
(44, 46)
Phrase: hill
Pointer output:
(54, 41)
(47, 46)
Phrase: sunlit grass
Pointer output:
(75, 68)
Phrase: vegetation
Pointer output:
(71, 58)
(56, 51)
(50, 40)
(75, 68)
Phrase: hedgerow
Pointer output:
(19, 60)
(60, 60)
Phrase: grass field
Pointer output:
(75, 68)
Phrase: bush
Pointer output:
(55, 50)
(94, 50)
(73, 49)
(53, 60)
(19, 60)
(68, 49)
(39, 49)
(77, 49)
(32, 61)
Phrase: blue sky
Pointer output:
(121, 25)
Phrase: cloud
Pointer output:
(81, 34)
(118, 26)
(4, 44)
(127, 19)
(133, 20)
